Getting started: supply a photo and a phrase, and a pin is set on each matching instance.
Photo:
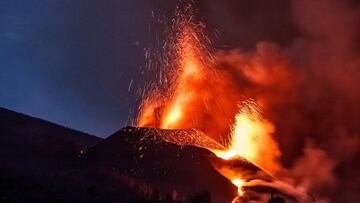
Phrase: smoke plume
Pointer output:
(310, 90)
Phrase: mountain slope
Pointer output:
(141, 155)
(35, 156)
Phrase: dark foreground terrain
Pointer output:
(44, 162)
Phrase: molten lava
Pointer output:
(251, 139)
(239, 183)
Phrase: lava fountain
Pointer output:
(200, 95)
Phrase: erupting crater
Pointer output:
(200, 95)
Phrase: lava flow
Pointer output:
(201, 96)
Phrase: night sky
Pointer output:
(71, 62)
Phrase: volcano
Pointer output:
(171, 161)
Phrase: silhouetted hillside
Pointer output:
(44, 162)
(35, 156)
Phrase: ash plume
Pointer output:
(310, 90)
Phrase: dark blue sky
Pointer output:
(71, 61)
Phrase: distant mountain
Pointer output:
(21, 133)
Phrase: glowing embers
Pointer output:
(169, 105)
(188, 56)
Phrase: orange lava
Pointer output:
(251, 139)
